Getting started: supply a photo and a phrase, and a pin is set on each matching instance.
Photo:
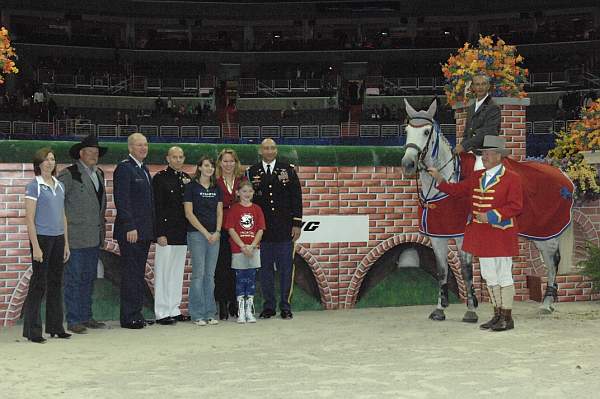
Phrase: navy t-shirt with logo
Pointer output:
(204, 202)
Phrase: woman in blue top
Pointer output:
(47, 230)
(203, 206)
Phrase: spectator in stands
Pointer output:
(198, 112)
(170, 106)
(171, 249)
(47, 230)
(134, 228)
(159, 106)
(85, 207)
(385, 112)
(394, 114)
(126, 119)
(119, 118)
(483, 118)
(229, 176)
(38, 97)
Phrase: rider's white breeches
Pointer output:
(497, 271)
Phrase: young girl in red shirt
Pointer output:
(245, 224)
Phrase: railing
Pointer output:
(428, 83)
(117, 83)
(72, 127)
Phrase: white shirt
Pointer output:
(272, 164)
(139, 164)
(92, 174)
(479, 102)
(489, 173)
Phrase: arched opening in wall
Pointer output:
(106, 299)
(305, 293)
(404, 275)
(579, 239)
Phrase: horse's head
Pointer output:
(419, 132)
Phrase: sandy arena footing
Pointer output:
(361, 353)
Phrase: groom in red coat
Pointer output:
(491, 231)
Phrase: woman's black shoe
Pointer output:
(62, 335)
(233, 309)
(223, 311)
(37, 340)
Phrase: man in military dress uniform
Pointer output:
(133, 228)
(277, 191)
(169, 259)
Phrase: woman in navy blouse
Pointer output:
(203, 206)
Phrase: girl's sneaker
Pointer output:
(200, 322)
(212, 322)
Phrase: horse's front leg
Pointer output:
(551, 256)
(440, 250)
(466, 267)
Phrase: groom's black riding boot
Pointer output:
(487, 325)
(506, 321)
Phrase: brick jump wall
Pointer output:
(339, 268)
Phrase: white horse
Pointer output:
(426, 147)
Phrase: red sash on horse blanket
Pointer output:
(547, 202)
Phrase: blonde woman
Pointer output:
(229, 175)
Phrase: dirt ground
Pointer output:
(362, 353)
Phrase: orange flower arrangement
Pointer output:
(497, 60)
(7, 55)
(583, 135)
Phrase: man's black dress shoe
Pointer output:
(93, 324)
(286, 314)
(166, 321)
(182, 317)
(62, 335)
(37, 340)
(134, 325)
(267, 314)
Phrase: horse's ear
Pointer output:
(410, 111)
(432, 109)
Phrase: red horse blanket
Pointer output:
(547, 203)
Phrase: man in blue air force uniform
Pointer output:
(134, 228)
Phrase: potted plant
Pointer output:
(7, 55)
(590, 267)
(578, 150)
(499, 61)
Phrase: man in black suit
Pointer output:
(483, 118)
(134, 227)
(277, 191)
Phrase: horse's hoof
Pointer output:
(470, 317)
(546, 309)
(437, 315)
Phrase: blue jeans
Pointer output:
(80, 274)
(202, 285)
(245, 282)
(280, 254)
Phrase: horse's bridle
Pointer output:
(421, 154)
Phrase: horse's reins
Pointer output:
(421, 154)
